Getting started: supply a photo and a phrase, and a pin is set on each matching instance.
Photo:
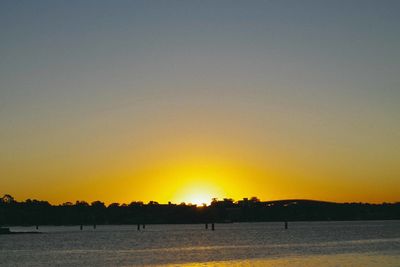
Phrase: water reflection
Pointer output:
(343, 260)
(367, 243)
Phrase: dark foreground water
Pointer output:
(361, 243)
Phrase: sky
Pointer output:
(177, 101)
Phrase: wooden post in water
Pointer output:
(144, 226)
(37, 227)
(138, 227)
(206, 226)
(94, 222)
(81, 227)
(286, 225)
(212, 227)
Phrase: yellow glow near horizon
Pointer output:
(198, 193)
(196, 180)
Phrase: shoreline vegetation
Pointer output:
(35, 212)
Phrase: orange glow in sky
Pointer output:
(148, 101)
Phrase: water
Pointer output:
(361, 243)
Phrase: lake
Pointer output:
(355, 243)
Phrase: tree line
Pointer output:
(36, 212)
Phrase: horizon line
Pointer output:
(249, 199)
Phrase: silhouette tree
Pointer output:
(33, 212)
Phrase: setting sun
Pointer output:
(198, 193)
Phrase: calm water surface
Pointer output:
(361, 243)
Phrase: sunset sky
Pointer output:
(176, 101)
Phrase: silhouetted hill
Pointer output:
(35, 212)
